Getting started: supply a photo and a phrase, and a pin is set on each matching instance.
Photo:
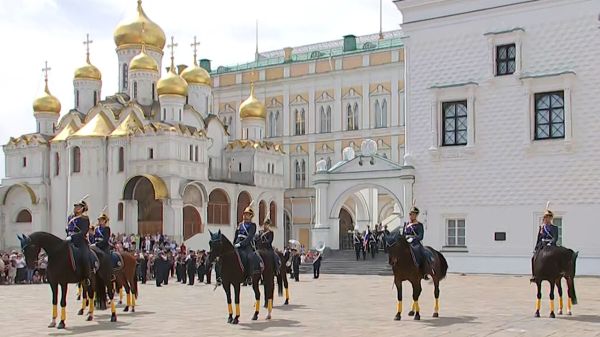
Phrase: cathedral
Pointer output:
(477, 113)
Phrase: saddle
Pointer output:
(74, 254)
(117, 261)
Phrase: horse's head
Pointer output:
(216, 246)
(30, 250)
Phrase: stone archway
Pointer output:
(192, 222)
(346, 224)
(243, 201)
(148, 192)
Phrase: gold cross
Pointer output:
(87, 43)
(195, 45)
(45, 70)
(172, 46)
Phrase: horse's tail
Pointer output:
(100, 290)
(572, 294)
(279, 284)
(134, 286)
(443, 265)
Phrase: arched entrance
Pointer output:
(243, 201)
(192, 223)
(147, 190)
(346, 229)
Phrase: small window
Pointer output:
(505, 59)
(150, 153)
(77, 98)
(125, 74)
(164, 114)
(56, 164)
(240, 167)
(455, 233)
(24, 216)
(500, 236)
(454, 124)
(95, 97)
(24, 161)
(196, 153)
(191, 152)
(76, 160)
(120, 212)
(135, 89)
(549, 115)
(153, 90)
(121, 159)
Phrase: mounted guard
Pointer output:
(244, 244)
(264, 240)
(415, 232)
(78, 226)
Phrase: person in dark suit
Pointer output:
(547, 235)
(143, 267)
(358, 244)
(414, 231)
(201, 262)
(296, 264)
(317, 264)
(244, 244)
(190, 265)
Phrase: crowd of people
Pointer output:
(369, 241)
(14, 270)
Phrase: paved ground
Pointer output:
(336, 305)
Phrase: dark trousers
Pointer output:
(296, 272)
(191, 275)
(317, 268)
(357, 249)
(201, 273)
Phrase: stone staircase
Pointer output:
(344, 262)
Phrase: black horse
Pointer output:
(103, 283)
(60, 269)
(401, 260)
(552, 263)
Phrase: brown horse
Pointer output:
(552, 263)
(126, 278)
(401, 260)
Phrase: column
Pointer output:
(130, 216)
(312, 117)
(396, 110)
(365, 110)
(321, 231)
(173, 219)
(286, 112)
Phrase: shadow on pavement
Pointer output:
(583, 318)
(448, 321)
(262, 324)
(101, 325)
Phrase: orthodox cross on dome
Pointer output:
(45, 70)
(87, 43)
(172, 46)
(195, 46)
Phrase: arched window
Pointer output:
(243, 201)
(77, 99)
(24, 161)
(355, 116)
(164, 114)
(56, 164)
(377, 114)
(95, 97)
(276, 124)
(303, 173)
(349, 118)
(325, 119)
(298, 174)
(218, 208)
(121, 159)
(273, 213)
(300, 126)
(76, 160)
(125, 76)
(328, 163)
(328, 118)
(262, 211)
(384, 113)
(24, 216)
(135, 89)
(153, 91)
(240, 167)
(120, 211)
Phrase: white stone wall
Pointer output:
(85, 88)
(145, 81)
(198, 97)
(501, 182)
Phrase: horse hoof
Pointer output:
(436, 315)
(132, 309)
(113, 318)
(90, 318)
(268, 317)
(552, 315)
(80, 312)
(286, 302)
(230, 319)
(120, 302)
(397, 317)
(417, 316)
(569, 313)
(126, 309)
(61, 325)
(265, 306)
(236, 320)
(78, 298)
(255, 316)
(411, 313)
(537, 314)
(559, 312)
(52, 325)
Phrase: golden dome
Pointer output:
(196, 75)
(46, 103)
(252, 107)
(143, 61)
(172, 84)
(88, 72)
(129, 31)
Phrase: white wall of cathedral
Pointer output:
(171, 108)
(142, 88)
(500, 182)
(60, 206)
(87, 93)
(253, 128)
(198, 97)
(17, 199)
(26, 161)
(125, 55)
(46, 123)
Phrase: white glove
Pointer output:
(69, 238)
(237, 245)
(410, 240)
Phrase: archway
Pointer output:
(147, 190)
(243, 201)
(192, 222)
(218, 207)
(262, 212)
(346, 229)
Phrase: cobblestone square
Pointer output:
(338, 305)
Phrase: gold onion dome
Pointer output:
(88, 72)
(196, 75)
(252, 107)
(129, 31)
(172, 84)
(46, 103)
(143, 61)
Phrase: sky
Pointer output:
(34, 31)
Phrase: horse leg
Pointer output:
(436, 295)
(286, 286)
(133, 287)
(538, 301)
(560, 295)
(83, 301)
(91, 300)
(399, 296)
(256, 288)
(79, 291)
(571, 294)
(269, 291)
(120, 294)
(227, 288)
(111, 297)
(63, 306)
(128, 294)
(54, 288)
(236, 290)
(416, 293)
(552, 299)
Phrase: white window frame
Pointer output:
(451, 93)
(514, 35)
(456, 247)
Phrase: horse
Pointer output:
(126, 278)
(552, 263)
(59, 271)
(102, 283)
(403, 266)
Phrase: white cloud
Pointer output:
(53, 30)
